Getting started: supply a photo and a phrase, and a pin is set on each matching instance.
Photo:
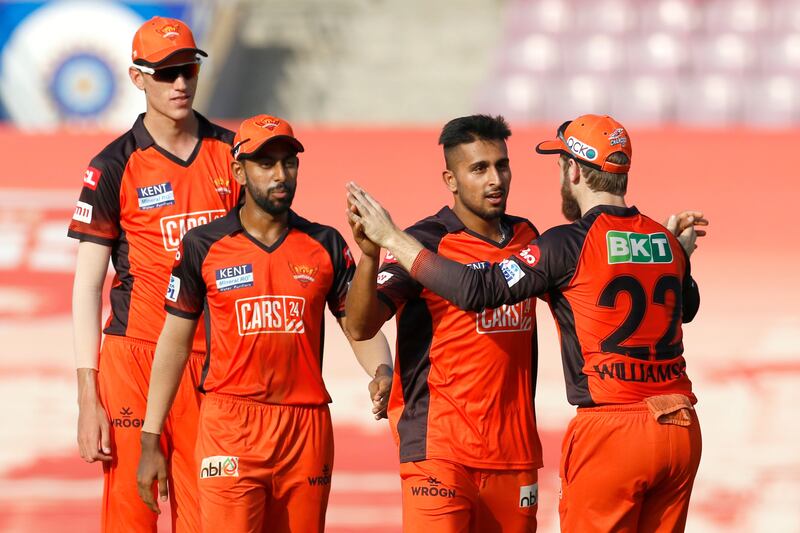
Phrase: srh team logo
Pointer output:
(629, 247)
(219, 466)
(83, 212)
(126, 419)
(222, 186)
(304, 273)
(270, 314)
(91, 177)
(174, 228)
(155, 196)
(528, 495)
(505, 319)
(169, 31)
(267, 123)
(235, 277)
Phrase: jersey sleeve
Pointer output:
(532, 271)
(187, 290)
(344, 268)
(395, 285)
(97, 212)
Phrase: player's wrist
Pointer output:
(383, 370)
(150, 439)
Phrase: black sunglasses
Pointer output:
(189, 71)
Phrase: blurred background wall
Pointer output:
(708, 88)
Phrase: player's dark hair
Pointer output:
(600, 181)
(464, 130)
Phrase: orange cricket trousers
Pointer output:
(623, 471)
(263, 467)
(444, 497)
(123, 378)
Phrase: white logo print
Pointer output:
(219, 466)
(174, 288)
(83, 212)
(511, 271)
(174, 227)
(528, 495)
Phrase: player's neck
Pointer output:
(489, 229)
(263, 226)
(592, 199)
(178, 137)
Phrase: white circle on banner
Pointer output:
(67, 64)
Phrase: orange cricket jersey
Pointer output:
(264, 306)
(619, 286)
(140, 200)
(464, 382)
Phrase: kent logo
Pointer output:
(629, 247)
(235, 277)
(155, 196)
(219, 466)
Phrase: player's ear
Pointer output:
(449, 180)
(237, 169)
(574, 171)
(136, 77)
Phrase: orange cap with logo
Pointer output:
(160, 38)
(591, 139)
(256, 131)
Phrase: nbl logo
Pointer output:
(528, 495)
(219, 466)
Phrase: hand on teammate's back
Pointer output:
(152, 468)
(379, 389)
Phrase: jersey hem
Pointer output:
(181, 313)
(86, 237)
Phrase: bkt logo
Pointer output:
(219, 466)
(174, 227)
(126, 419)
(324, 479)
(582, 149)
(270, 314)
(528, 495)
(629, 247)
(505, 319)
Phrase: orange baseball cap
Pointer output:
(160, 38)
(591, 139)
(256, 131)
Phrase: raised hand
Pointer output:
(679, 225)
(367, 247)
(372, 218)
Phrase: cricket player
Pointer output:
(619, 286)
(461, 408)
(264, 276)
(168, 173)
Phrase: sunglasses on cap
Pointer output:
(189, 71)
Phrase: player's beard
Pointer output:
(273, 206)
(569, 205)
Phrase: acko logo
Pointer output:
(235, 277)
(155, 196)
(629, 247)
(528, 495)
(270, 314)
(582, 149)
(126, 419)
(321, 480)
(219, 466)
(434, 488)
(83, 212)
(505, 319)
(173, 228)
(511, 271)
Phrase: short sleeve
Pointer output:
(344, 268)
(395, 284)
(187, 290)
(97, 212)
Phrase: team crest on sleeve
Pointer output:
(304, 273)
(91, 178)
(511, 272)
(234, 277)
(383, 277)
(83, 212)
